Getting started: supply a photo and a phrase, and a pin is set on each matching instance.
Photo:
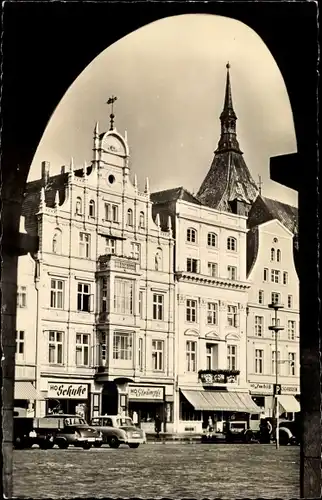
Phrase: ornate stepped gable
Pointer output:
(228, 178)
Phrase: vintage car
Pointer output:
(117, 430)
(74, 430)
(289, 432)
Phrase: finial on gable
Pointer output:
(157, 220)
(135, 181)
(169, 223)
(84, 169)
(147, 186)
(57, 199)
(96, 130)
(125, 136)
(42, 202)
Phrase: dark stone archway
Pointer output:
(45, 47)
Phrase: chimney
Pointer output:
(45, 171)
(62, 169)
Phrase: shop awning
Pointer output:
(25, 390)
(288, 404)
(221, 401)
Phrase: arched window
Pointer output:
(278, 255)
(57, 241)
(191, 235)
(272, 254)
(79, 206)
(141, 221)
(92, 208)
(158, 260)
(232, 244)
(130, 217)
(212, 240)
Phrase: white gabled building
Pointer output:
(273, 278)
(210, 310)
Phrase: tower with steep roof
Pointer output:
(228, 181)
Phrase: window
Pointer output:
(275, 366)
(141, 304)
(157, 355)
(136, 251)
(291, 363)
(191, 235)
(91, 208)
(232, 316)
(110, 246)
(272, 254)
(275, 298)
(158, 303)
(107, 211)
(130, 217)
(55, 348)
(191, 356)
(212, 313)
(57, 241)
(259, 358)
(285, 278)
(275, 276)
(232, 357)
(103, 346)
(140, 354)
(232, 244)
(22, 296)
(213, 269)
(142, 220)
(289, 301)
(211, 350)
(192, 265)
(261, 296)
(232, 272)
(82, 349)
(123, 296)
(259, 322)
(291, 330)
(79, 206)
(84, 245)
(115, 213)
(191, 310)
(20, 343)
(265, 274)
(56, 294)
(278, 256)
(103, 307)
(212, 240)
(83, 297)
(158, 264)
(122, 346)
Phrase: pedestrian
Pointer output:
(210, 428)
(135, 418)
(157, 425)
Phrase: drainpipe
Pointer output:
(37, 367)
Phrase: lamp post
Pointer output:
(275, 328)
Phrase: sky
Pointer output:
(169, 78)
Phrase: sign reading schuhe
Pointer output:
(59, 390)
(141, 392)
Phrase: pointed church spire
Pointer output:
(228, 138)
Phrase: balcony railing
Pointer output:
(110, 262)
(219, 376)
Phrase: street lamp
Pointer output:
(275, 328)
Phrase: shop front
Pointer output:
(25, 396)
(66, 397)
(147, 404)
(262, 395)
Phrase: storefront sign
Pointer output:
(67, 391)
(141, 392)
(263, 388)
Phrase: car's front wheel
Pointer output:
(63, 445)
(114, 442)
(134, 445)
(87, 446)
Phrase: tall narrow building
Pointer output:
(228, 180)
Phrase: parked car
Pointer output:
(289, 432)
(238, 431)
(74, 430)
(28, 431)
(117, 430)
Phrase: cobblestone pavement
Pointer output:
(159, 470)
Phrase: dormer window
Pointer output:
(91, 208)
(79, 206)
(232, 244)
(130, 217)
(191, 235)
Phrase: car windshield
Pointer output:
(74, 421)
(124, 421)
(106, 422)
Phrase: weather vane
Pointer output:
(111, 101)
